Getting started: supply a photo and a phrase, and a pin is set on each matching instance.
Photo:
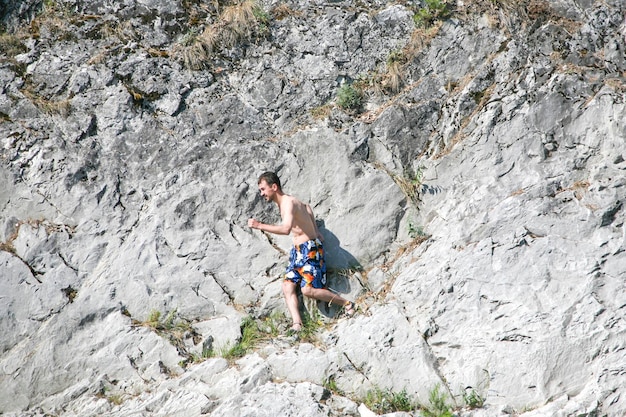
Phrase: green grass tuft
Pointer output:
(350, 97)
(432, 11)
(385, 401)
(250, 336)
(437, 405)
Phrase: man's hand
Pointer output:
(280, 229)
(253, 223)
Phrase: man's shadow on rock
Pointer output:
(340, 265)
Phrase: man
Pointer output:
(306, 259)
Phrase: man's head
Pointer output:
(269, 185)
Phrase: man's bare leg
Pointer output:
(326, 295)
(291, 298)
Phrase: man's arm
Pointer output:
(286, 213)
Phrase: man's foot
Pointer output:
(296, 327)
(349, 309)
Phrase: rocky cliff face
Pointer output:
(466, 165)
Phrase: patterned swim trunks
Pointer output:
(306, 264)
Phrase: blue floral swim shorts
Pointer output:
(307, 266)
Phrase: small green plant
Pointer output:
(385, 401)
(331, 385)
(311, 324)
(262, 19)
(207, 353)
(115, 399)
(478, 96)
(416, 231)
(49, 4)
(271, 324)
(349, 97)
(433, 10)
(195, 358)
(154, 319)
(437, 404)
(250, 336)
(411, 184)
(473, 400)
(169, 324)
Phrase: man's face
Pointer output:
(266, 190)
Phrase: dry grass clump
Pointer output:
(410, 182)
(237, 23)
(196, 49)
(50, 107)
(420, 39)
(197, 10)
(321, 112)
(514, 13)
(282, 11)
(53, 21)
(11, 45)
(395, 71)
(122, 31)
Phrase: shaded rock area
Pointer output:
(471, 199)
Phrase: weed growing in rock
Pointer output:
(321, 112)
(311, 324)
(473, 400)
(410, 182)
(115, 399)
(195, 10)
(437, 404)
(70, 293)
(271, 324)
(207, 353)
(56, 7)
(254, 332)
(60, 107)
(167, 324)
(385, 401)
(262, 20)
(395, 61)
(238, 23)
(432, 11)
(349, 97)
(331, 385)
(56, 17)
(250, 336)
(416, 232)
(153, 319)
(420, 39)
(11, 45)
(197, 48)
(283, 10)
(122, 31)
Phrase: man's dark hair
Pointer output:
(270, 178)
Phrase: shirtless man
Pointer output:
(307, 266)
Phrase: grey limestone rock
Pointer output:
(476, 213)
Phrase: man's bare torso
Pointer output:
(303, 226)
